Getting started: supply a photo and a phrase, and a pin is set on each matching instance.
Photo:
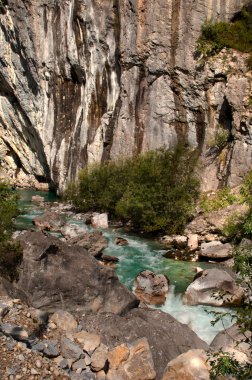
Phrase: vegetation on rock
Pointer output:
(155, 191)
(222, 198)
(10, 252)
(238, 226)
(223, 363)
(236, 34)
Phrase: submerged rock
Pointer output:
(38, 198)
(213, 287)
(151, 288)
(54, 275)
(121, 241)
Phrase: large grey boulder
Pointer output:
(215, 250)
(49, 221)
(54, 275)
(213, 287)
(233, 341)
(167, 337)
(94, 242)
(151, 288)
(191, 365)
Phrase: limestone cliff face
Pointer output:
(88, 80)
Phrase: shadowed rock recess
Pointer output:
(85, 80)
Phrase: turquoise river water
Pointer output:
(138, 255)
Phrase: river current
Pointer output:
(138, 255)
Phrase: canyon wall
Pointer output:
(90, 80)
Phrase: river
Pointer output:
(138, 255)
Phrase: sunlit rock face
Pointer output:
(84, 81)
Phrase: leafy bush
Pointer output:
(8, 210)
(222, 198)
(223, 363)
(155, 191)
(220, 139)
(10, 252)
(237, 35)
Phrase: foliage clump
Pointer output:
(220, 139)
(223, 363)
(155, 191)
(237, 35)
(10, 252)
(221, 199)
(237, 225)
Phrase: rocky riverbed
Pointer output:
(68, 316)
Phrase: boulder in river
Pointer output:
(49, 221)
(213, 287)
(215, 250)
(70, 231)
(151, 288)
(99, 220)
(55, 275)
(93, 242)
(178, 241)
(38, 199)
(121, 241)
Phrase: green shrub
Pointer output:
(237, 225)
(220, 139)
(8, 210)
(155, 191)
(222, 198)
(223, 363)
(234, 226)
(237, 35)
(10, 252)
(10, 257)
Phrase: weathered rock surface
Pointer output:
(191, 365)
(177, 241)
(133, 363)
(213, 222)
(151, 288)
(216, 250)
(55, 275)
(121, 241)
(120, 79)
(99, 220)
(64, 321)
(231, 340)
(93, 242)
(213, 287)
(89, 342)
(163, 332)
(70, 231)
(49, 221)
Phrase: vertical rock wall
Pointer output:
(89, 80)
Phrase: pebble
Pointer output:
(34, 371)
(38, 363)
(21, 357)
